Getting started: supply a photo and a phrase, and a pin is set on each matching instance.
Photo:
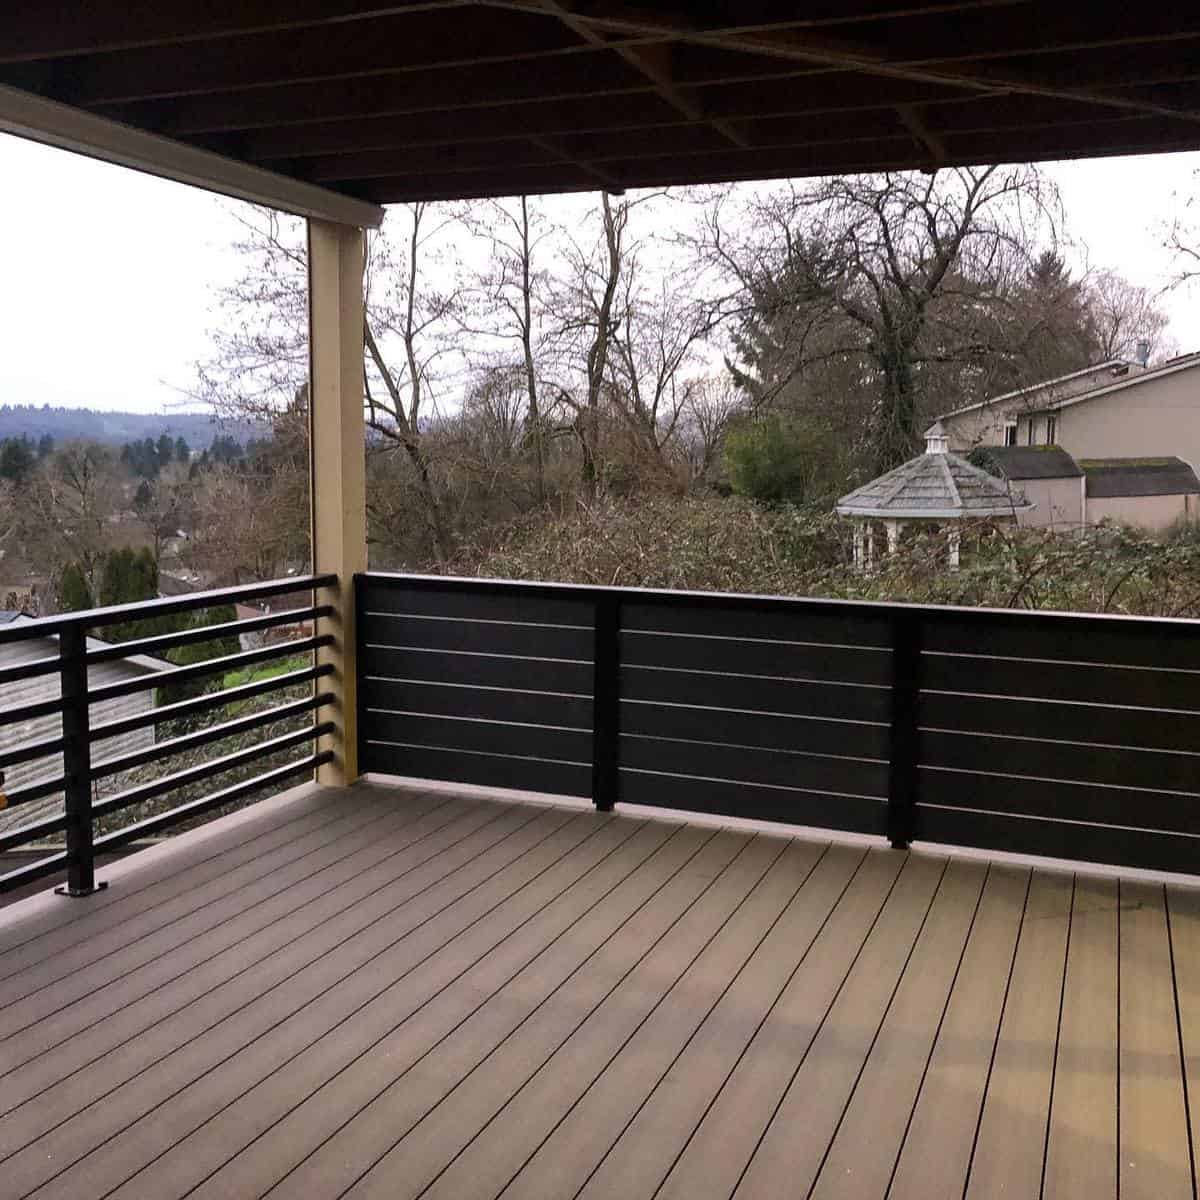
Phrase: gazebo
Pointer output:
(934, 488)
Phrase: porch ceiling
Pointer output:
(435, 99)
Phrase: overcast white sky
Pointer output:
(109, 275)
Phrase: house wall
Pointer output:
(1059, 503)
(1157, 418)
(47, 687)
(1148, 512)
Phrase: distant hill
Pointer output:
(117, 428)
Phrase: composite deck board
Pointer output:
(862, 1153)
(1010, 1145)
(412, 1075)
(381, 991)
(270, 952)
(1081, 1149)
(1153, 1146)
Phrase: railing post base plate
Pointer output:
(79, 893)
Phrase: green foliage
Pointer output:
(772, 461)
(128, 576)
(74, 594)
(17, 459)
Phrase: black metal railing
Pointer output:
(67, 715)
(1065, 735)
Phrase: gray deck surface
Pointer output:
(380, 992)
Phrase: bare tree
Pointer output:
(1125, 317)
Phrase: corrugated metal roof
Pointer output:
(933, 486)
(1115, 477)
(1029, 462)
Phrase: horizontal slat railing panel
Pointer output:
(751, 693)
(478, 637)
(1061, 839)
(744, 656)
(488, 770)
(752, 802)
(477, 599)
(486, 670)
(1108, 724)
(1055, 637)
(1114, 765)
(772, 619)
(1065, 681)
(458, 700)
(485, 737)
(764, 730)
(1055, 800)
(738, 764)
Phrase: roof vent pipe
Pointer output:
(1143, 353)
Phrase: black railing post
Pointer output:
(906, 690)
(606, 700)
(77, 764)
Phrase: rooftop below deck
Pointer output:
(386, 991)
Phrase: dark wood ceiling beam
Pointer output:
(38, 29)
(891, 155)
(389, 46)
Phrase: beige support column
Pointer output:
(339, 507)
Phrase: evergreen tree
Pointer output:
(164, 451)
(74, 595)
(183, 452)
(16, 460)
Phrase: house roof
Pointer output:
(1114, 477)
(1112, 364)
(8, 616)
(1028, 462)
(933, 486)
(145, 662)
(449, 99)
(1185, 362)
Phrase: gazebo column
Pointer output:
(954, 538)
(338, 461)
(892, 528)
(860, 559)
(870, 544)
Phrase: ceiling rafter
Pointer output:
(653, 61)
(796, 45)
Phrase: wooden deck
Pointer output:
(377, 992)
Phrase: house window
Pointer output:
(1010, 434)
(1051, 430)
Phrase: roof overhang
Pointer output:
(329, 107)
(933, 514)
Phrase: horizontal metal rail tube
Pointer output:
(30, 712)
(32, 871)
(98, 617)
(34, 831)
(208, 633)
(29, 670)
(187, 708)
(30, 751)
(214, 666)
(217, 766)
(185, 811)
(206, 737)
(36, 791)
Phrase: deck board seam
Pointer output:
(408, 819)
(996, 1039)
(937, 1033)
(762, 1021)
(696, 1032)
(820, 1024)
(1062, 1002)
(650, 1012)
(249, 966)
(912, 949)
(1187, 1104)
(259, 996)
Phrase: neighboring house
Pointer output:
(996, 422)
(277, 633)
(46, 687)
(1047, 476)
(1127, 440)
(1152, 492)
